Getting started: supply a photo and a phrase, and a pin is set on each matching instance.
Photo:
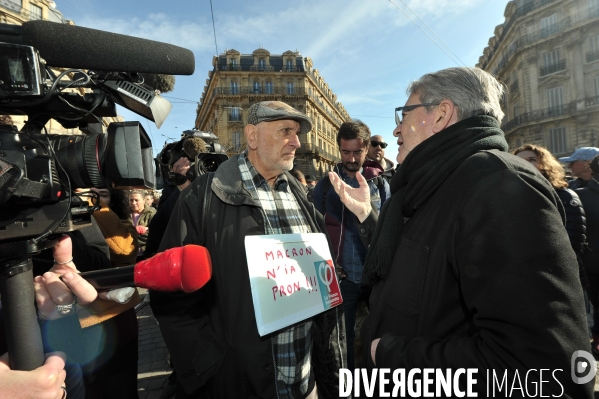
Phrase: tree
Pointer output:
(162, 83)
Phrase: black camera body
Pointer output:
(39, 171)
(205, 157)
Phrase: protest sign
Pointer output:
(292, 277)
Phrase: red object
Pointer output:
(185, 269)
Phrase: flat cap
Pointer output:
(269, 111)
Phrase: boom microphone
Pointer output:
(184, 269)
(63, 45)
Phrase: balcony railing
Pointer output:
(536, 116)
(593, 56)
(261, 68)
(553, 68)
(253, 68)
(571, 108)
(251, 90)
(565, 23)
(520, 11)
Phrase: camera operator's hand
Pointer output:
(45, 382)
(181, 167)
(56, 298)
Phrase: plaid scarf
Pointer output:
(292, 345)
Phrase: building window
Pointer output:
(236, 140)
(289, 65)
(235, 115)
(290, 89)
(35, 12)
(555, 101)
(557, 140)
(261, 64)
(268, 88)
(552, 63)
(549, 25)
(593, 55)
(256, 87)
(234, 87)
(596, 80)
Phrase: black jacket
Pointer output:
(575, 218)
(212, 334)
(590, 200)
(484, 277)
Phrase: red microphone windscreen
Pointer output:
(185, 269)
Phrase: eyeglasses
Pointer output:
(375, 143)
(409, 108)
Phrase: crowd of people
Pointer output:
(460, 255)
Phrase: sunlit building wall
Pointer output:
(547, 54)
(239, 80)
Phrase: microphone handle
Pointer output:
(110, 279)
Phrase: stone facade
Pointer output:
(547, 54)
(240, 80)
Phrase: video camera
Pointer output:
(39, 171)
(199, 147)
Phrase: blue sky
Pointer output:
(367, 50)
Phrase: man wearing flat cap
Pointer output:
(579, 163)
(212, 334)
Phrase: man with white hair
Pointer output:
(470, 264)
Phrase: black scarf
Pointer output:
(423, 171)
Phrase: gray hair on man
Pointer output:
(472, 90)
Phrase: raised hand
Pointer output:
(357, 200)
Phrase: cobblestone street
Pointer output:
(153, 367)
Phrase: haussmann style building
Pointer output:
(240, 80)
(547, 54)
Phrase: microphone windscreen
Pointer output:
(194, 146)
(186, 269)
(196, 268)
(63, 45)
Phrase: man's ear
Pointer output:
(446, 115)
(251, 136)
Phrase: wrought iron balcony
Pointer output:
(245, 90)
(565, 23)
(553, 68)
